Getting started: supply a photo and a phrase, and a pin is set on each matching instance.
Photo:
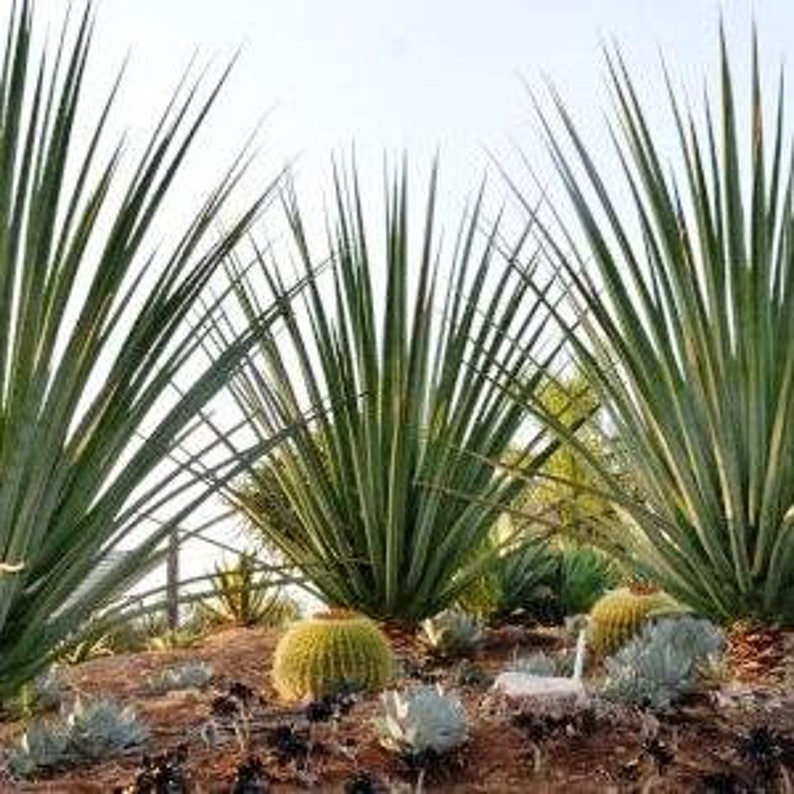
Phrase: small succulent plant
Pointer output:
(471, 674)
(661, 664)
(539, 663)
(540, 725)
(163, 774)
(43, 745)
(330, 708)
(421, 720)
(363, 782)
(237, 701)
(287, 743)
(423, 670)
(100, 728)
(191, 675)
(452, 632)
(767, 752)
(90, 731)
(43, 693)
(251, 777)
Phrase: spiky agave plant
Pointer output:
(382, 495)
(688, 327)
(91, 339)
(246, 593)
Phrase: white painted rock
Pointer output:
(539, 687)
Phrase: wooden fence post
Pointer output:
(172, 580)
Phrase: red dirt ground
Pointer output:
(695, 749)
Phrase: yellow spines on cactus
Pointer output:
(321, 655)
(620, 614)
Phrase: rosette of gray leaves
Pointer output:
(661, 664)
(89, 732)
(100, 728)
(538, 663)
(191, 675)
(44, 744)
(421, 719)
(452, 632)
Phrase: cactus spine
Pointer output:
(620, 614)
(323, 655)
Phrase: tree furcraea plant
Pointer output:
(685, 321)
(92, 336)
(389, 485)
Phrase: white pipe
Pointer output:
(578, 663)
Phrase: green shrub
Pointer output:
(151, 631)
(172, 639)
(585, 574)
(135, 635)
(567, 492)
(93, 645)
(245, 595)
(541, 582)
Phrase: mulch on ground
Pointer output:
(706, 745)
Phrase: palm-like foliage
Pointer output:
(522, 577)
(387, 488)
(566, 490)
(691, 341)
(539, 580)
(90, 342)
(246, 594)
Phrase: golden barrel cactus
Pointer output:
(620, 614)
(324, 654)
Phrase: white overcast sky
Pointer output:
(414, 75)
(418, 75)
